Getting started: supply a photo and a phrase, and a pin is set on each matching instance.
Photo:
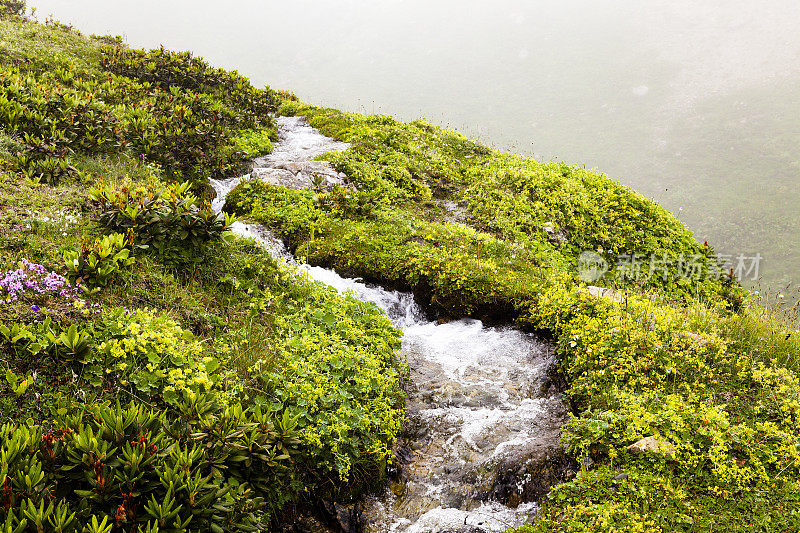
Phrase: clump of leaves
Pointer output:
(95, 265)
(250, 107)
(209, 468)
(171, 221)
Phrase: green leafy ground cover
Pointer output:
(242, 386)
(700, 365)
(159, 374)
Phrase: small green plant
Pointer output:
(97, 264)
(74, 344)
(18, 385)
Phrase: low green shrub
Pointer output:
(171, 220)
(132, 468)
(96, 265)
(402, 160)
(142, 354)
(456, 269)
(167, 70)
(340, 374)
(516, 199)
(725, 420)
(150, 356)
(206, 124)
(52, 120)
(254, 142)
(12, 8)
(291, 212)
(46, 338)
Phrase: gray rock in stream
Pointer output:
(282, 178)
(300, 175)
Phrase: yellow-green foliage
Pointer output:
(151, 355)
(401, 160)
(458, 269)
(256, 386)
(726, 421)
(689, 362)
(254, 142)
(340, 375)
(403, 165)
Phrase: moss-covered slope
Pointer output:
(157, 373)
(684, 358)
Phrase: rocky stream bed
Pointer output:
(481, 444)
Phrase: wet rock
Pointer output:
(347, 517)
(455, 213)
(603, 292)
(652, 444)
(554, 235)
(620, 477)
(282, 178)
(526, 471)
(344, 518)
(318, 173)
(304, 524)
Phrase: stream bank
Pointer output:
(481, 444)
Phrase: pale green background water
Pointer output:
(695, 104)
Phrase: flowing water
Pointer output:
(483, 419)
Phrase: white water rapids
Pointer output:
(477, 401)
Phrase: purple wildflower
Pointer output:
(35, 308)
(34, 278)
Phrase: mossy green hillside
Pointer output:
(699, 365)
(244, 388)
(245, 384)
(66, 95)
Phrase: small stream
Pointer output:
(481, 441)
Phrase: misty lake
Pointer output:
(694, 104)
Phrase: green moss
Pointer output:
(211, 324)
(697, 364)
(255, 142)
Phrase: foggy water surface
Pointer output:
(695, 104)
